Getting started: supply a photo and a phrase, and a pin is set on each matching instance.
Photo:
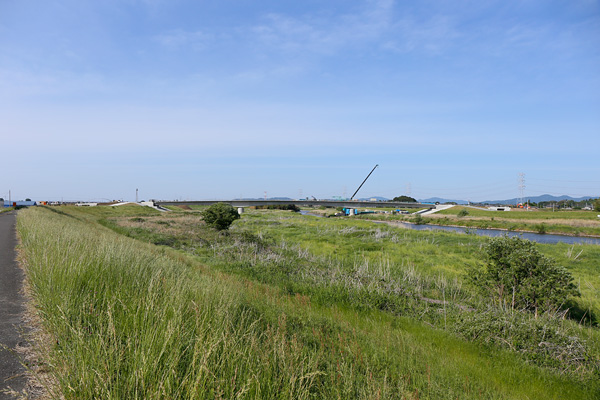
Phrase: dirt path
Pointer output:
(11, 309)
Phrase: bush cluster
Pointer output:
(519, 276)
(220, 216)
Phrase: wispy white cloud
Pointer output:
(324, 35)
(197, 40)
(19, 85)
(376, 24)
(432, 35)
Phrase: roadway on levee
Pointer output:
(299, 203)
(11, 309)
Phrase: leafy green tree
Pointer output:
(220, 216)
(405, 199)
(516, 274)
(597, 204)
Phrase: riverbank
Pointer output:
(566, 223)
(546, 238)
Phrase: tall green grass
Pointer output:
(130, 320)
(388, 273)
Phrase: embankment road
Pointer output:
(12, 308)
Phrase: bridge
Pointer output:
(299, 203)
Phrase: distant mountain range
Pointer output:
(537, 199)
(441, 200)
(534, 199)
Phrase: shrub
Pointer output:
(220, 216)
(541, 228)
(418, 219)
(463, 212)
(516, 274)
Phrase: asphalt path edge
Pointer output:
(17, 357)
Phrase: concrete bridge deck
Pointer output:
(299, 203)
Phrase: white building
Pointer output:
(494, 208)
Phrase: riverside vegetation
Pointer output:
(142, 305)
(574, 223)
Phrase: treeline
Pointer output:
(575, 205)
(290, 207)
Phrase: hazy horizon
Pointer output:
(195, 100)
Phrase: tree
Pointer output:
(597, 204)
(405, 199)
(220, 216)
(516, 274)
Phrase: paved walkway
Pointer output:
(11, 308)
(437, 208)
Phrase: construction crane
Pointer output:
(363, 182)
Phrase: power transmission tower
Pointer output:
(521, 186)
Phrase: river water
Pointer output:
(534, 237)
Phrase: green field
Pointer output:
(566, 222)
(142, 304)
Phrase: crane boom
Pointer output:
(363, 182)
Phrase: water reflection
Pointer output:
(534, 237)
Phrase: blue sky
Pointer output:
(207, 100)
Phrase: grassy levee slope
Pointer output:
(132, 320)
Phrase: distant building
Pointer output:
(19, 203)
(495, 208)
